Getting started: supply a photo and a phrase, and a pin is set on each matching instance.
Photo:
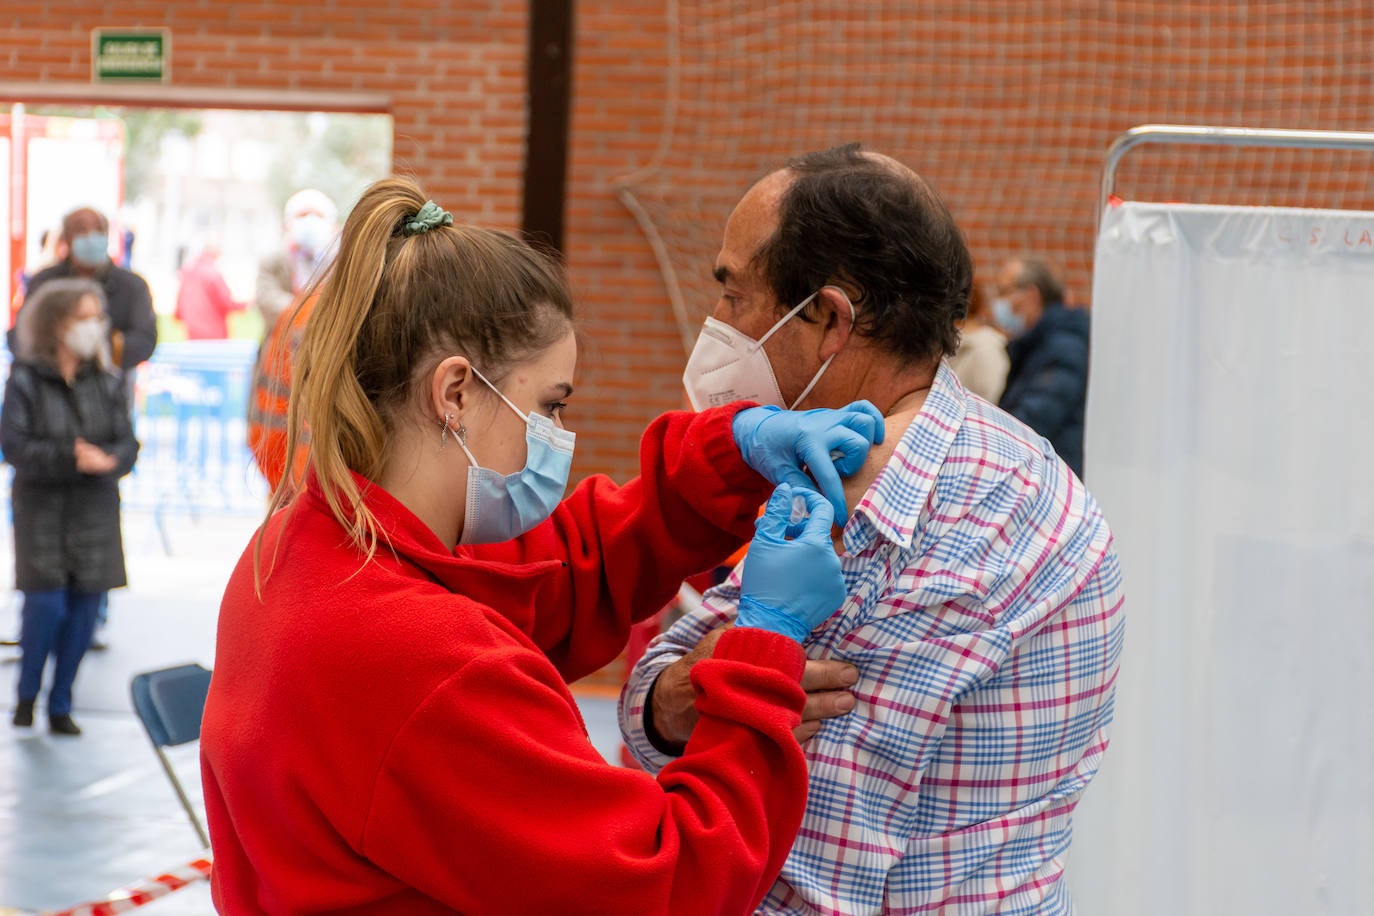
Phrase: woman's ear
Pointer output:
(449, 393)
(837, 317)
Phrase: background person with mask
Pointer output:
(981, 362)
(131, 321)
(979, 574)
(389, 728)
(1047, 384)
(128, 302)
(66, 431)
(309, 225)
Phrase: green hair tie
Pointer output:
(431, 216)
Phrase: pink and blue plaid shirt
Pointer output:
(984, 614)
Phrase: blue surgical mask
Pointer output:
(92, 248)
(502, 507)
(1006, 317)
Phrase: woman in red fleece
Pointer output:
(389, 728)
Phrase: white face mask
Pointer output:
(728, 365)
(311, 233)
(85, 337)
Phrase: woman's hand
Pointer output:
(784, 445)
(91, 459)
(791, 580)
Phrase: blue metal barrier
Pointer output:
(190, 414)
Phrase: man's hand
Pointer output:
(672, 703)
(826, 683)
(673, 707)
(117, 347)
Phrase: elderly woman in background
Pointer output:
(65, 428)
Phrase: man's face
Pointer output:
(746, 301)
(82, 223)
(85, 233)
(1023, 297)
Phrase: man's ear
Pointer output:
(836, 317)
(450, 389)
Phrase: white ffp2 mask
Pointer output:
(85, 337)
(728, 365)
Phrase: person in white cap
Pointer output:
(310, 227)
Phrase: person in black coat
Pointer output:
(1047, 385)
(132, 322)
(66, 430)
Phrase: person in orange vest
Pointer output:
(270, 396)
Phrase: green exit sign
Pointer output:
(131, 55)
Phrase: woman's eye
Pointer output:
(557, 408)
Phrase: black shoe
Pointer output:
(23, 714)
(62, 725)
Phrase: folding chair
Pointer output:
(169, 703)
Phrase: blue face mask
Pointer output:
(1006, 318)
(502, 507)
(92, 248)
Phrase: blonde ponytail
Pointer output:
(392, 299)
(346, 432)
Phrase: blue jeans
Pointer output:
(58, 623)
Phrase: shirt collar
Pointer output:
(891, 508)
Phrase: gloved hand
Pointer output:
(783, 445)
(791, 579)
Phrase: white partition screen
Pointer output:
(1231, 445)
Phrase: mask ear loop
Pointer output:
(462, 434)
(508, 401)
(825, 365)
(472, 462)
(788, 317)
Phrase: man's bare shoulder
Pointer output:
(895, 426)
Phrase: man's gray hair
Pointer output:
(1038, 273)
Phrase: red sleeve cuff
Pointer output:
(764, 648)
(720, 447)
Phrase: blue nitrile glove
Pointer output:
(791, 579)
(783, 445)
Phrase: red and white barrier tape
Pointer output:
(131, 896)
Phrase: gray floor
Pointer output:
(81, 817)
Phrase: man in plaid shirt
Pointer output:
(960, 698)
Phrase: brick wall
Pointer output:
(454, 70)
(1006, 107)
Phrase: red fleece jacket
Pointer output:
(397, 737)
